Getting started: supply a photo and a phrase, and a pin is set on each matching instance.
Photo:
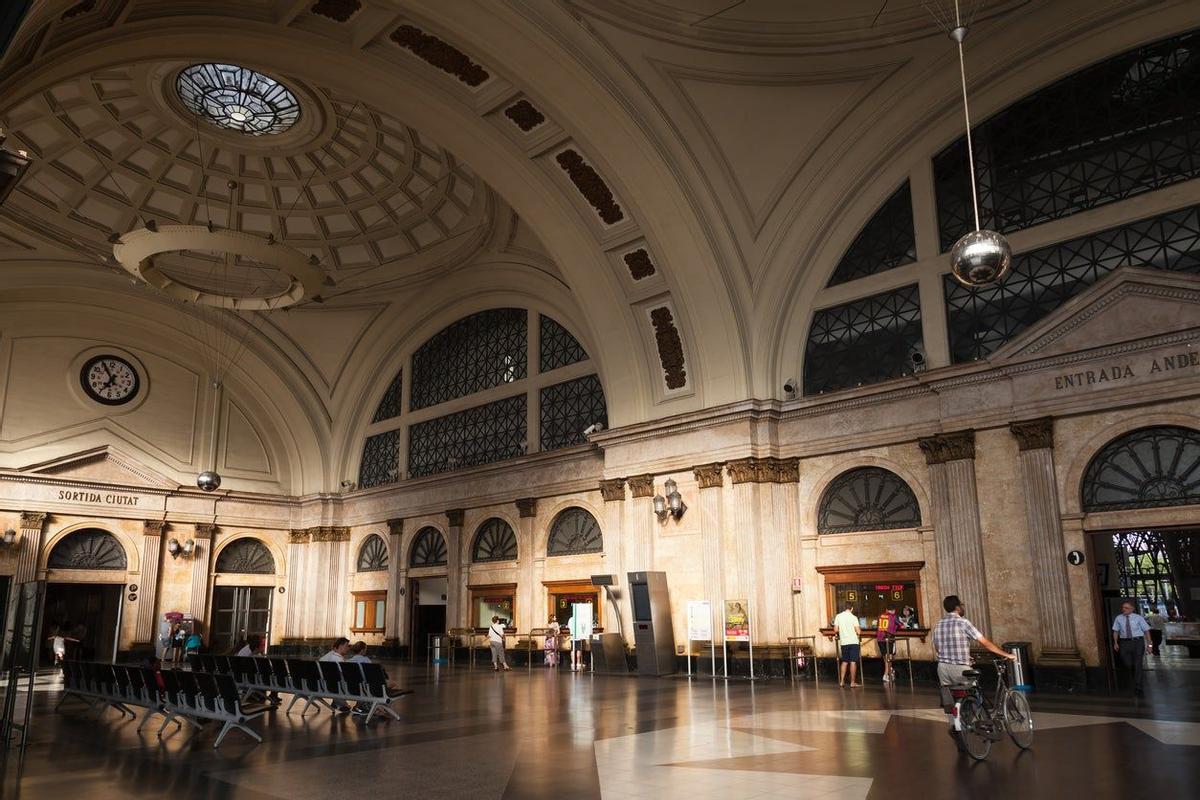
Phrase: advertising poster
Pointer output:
(699, 621)
(737, 621)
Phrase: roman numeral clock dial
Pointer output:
(110, 380)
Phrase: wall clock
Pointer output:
(109, 379)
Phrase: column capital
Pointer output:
(205, 530)
(743, 470)
(455, 517)
(396, 526)
(948, 447)
(1034, 434)
(786, 470)
(153, 527)
(612, 489)
(33, 520)
(331, 533)
(641, 485)
(299, 536)
(526, 507)
(710, 476)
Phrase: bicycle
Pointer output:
(982, 722)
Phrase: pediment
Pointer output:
(1127, 306)
(103, 465)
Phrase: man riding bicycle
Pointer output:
(952, 640)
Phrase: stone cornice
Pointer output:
(1034, 434)
(948, 447)
(526, 507)
(641, 485)
(612, 490)
(709, 476)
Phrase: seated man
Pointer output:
(339, 651)
(252, 647)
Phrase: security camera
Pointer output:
(595, 427)
(347, 486)
(790, 387)
(916, 357)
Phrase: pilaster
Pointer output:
(394, 626)
(201, 557)
(640, 521)
(456, 583)
(613, 492)
(151, 555)
(29, 546)
(710, 479)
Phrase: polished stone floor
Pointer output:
(534, 734)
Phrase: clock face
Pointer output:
(110, 380)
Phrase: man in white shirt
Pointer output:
(1131, 641)
(496, 642)
(338, 653)
(1158, 624)
(252, 647)
(848, 632)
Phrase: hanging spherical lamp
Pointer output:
(980, 258)
(208, 480)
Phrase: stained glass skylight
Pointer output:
(238, 98)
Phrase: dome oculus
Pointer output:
(237, 98)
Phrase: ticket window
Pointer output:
(494, 605)
(564, 602)
(870, 599)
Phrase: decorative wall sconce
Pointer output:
(9, 539)
(672, 505)
(186, 549)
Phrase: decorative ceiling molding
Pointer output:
(336, 10)
(670, 347)
(524, 115)
(591, 186)
(639, 263)
(440, 54)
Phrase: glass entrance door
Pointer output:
(238, 612)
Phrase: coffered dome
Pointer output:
(266, 155)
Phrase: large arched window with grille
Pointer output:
(489, 351)
(246, 557)
(574, 531)
(89, 548)
(494, 541)
(867, 499)
(1146, 468)
(373, 555)
(428, 549)
(1124, 127)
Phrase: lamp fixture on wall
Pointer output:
(9, 539)
(672, 505)
(186, 549)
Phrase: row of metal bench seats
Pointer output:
(193, 697)
(315, 682)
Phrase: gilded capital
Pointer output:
(33, 520)
(948, 447)
(641, 486)
(396, 526)
(330, 533)
(709, 476)
(1034, 434)
(612, 489)
(204, 530)
(455, 517)
(153, 527)
(743, 470)
(299, 536)
(787, 470)
(527, 507)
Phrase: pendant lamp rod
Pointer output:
(958, 35)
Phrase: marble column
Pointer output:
(456, 571)
(29, 545)
(297, 603)
(640, 521)
(958, 532)
(710, 479)
(394, 626)
(529, 611)
(613, 492)
(1035, 442)
(151, 555)
(201, 557)
(741, 541)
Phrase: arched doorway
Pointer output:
(243, 589)
(85, 574)
(428, 588)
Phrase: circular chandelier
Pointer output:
(237, 98)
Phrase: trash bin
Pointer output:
(1022, 668)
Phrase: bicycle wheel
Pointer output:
(1018, 719)
(976, 725)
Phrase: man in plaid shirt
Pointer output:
(952, 637)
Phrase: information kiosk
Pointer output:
(652, 633)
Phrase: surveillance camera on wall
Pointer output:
(791, 388)
(595, 427)
(916, 357)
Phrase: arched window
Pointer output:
(246, 557)
(373, 555)
(390, 405)
(428, 549)
(90, 548)
(863, 341)
(476, 353)
(574, 531)
(867, 499)
(1146, 468)
(887, 241)
(494, 541)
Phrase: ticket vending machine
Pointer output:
(652, 633)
